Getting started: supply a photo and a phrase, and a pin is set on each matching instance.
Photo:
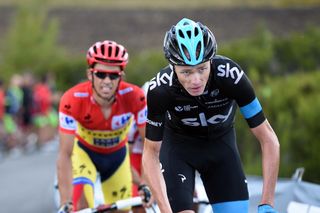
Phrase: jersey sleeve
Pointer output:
(237, 85)
(157, 103)
(140, 109)
(67, 121)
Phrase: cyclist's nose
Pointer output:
(107, 79)
(195, 78)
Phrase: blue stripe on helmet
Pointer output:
(251, 109)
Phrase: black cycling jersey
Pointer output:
(170, 105)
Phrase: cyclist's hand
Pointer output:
(66, 208)
(145, 193)
(266, 208)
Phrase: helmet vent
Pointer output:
(109, 51)
(189, 33)
(123, 53)
(198, 50)
(210, 53)
(102, 49)
(117, 50)
(186, 52)
(181, 34)
(196, 31)
(107, 60)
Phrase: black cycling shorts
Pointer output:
(216, 159)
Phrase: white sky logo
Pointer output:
(233, 72)
(161, 169)
(183, 178)
(165, 78)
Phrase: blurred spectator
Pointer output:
(45, 117)
(2, 110)
(13, 97)
(2, 101)
(26, 110)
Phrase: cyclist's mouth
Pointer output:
(106, 89)
(196, 89)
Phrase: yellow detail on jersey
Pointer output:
(104, 139)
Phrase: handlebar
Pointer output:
(120, 204)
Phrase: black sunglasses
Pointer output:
(103, 75)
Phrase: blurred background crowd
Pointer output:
(28, 113)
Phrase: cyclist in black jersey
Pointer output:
(190, 126)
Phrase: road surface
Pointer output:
(26, 183)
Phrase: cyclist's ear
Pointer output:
(89, 74)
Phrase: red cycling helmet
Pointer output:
(108, 53)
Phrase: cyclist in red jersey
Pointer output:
(94, 119)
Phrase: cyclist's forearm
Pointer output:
(270, 160)
(64, 169)
(270, 166)
(154, 178)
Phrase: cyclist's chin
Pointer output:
(195, 92)
(106, 95)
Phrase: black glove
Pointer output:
(66, 208)
(146, 192)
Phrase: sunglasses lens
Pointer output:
(103, 75)
(113, 76)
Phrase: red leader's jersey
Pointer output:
(79, 114)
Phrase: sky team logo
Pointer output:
(67, 122)
(225, 70)
(164, 78)
(119, 121)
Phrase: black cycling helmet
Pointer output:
(189, 43)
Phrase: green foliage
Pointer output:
(144, 66)
(291, 107)
(300, 51)
(69, 72)
(296, 119)
(31, 45)
(252, 53)
(262, 55)
(31, 42)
